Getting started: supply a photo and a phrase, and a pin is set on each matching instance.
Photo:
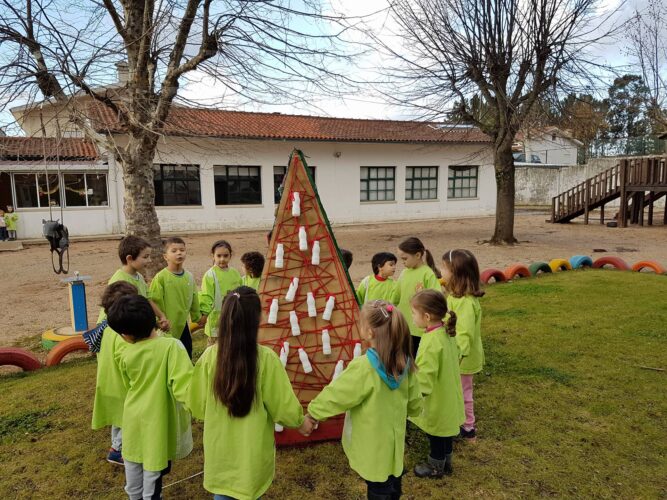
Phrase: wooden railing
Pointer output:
(594, 190)
(645, 173)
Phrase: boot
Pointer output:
(433, 468)
(378, 496)
(448, 470)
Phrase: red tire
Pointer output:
(15, 356)
(517, 271)
(610, 260)
(495, 274)
(649, 264)
(63, 348)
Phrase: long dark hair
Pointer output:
(392, 336)
(413, 246)
(465, 273)
(235, 379)
(433, 303)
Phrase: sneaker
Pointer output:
(469, 436)
(115, 457)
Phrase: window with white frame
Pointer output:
(35, 190)
(462, 182)
(421, 183)
(85, 189)
(278, 177)
(238, 185)
(377, 183)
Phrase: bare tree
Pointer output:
(512, 52)
(648, 49)
(65, 52)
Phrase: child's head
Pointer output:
(430, 307)
(461, 273)
(2, 212)
(347, 257)
(384, 264)
(174, 250)
(114, 291)
(132, 315)
(221, 251)
(412, 252)
(384, 325)
(10, 208)
(253, 262)
(135, 252)
(269, 235)
(236, 370)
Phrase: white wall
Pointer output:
(337, 179)
(555, 151)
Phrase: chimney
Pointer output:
(123, 72)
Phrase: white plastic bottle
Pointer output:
(291, 291)
(296, 204)
(340, 366)
(305, 362)
(273, 312)
(357, 350)
(328, 310)
(294, 322)
(312, 309)
(283, 357)
(315, 255)
(326, 342)
(280, 256)
(303, 238)
(286, 347)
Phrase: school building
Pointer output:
(218, 170)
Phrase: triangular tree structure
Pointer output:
(301, 226)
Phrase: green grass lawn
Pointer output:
(563, 407)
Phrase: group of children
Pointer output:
(423, 349)
(8, 223)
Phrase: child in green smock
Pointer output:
(215, 284)
(239, 389)
(461, 273)
(378, 391)
(134, 254)
(439, 380)
(380, 285)
(417, 275)
(11, 222)
(174, 290)
(156, 372)
(253, 265)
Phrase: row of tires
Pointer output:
(576, 262)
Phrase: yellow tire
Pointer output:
(560, 265)
(52, 337)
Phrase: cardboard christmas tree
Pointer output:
(310, 310)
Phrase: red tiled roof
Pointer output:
(200, 122)
(33, 148)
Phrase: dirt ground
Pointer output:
(34, 299)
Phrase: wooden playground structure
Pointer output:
(637, 182)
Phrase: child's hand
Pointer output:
(419, 287)
(164, 324)
(309, 424)
(202, 321)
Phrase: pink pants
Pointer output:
(466, 382)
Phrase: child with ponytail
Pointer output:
(378, 391)
(461, 275)
(239, 389)
(417, 275)
(439, 381)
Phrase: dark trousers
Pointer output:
(415, 345)
(3, 234)
(389, 489)
(440, 446)
(186, 340)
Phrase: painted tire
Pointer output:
(579, 261)
(63, 348)
(610, 260)
(649, 264)
(517, 271)
(15, 356)
(539, 267)
(489, 274)
(51, 338)
(560, 265)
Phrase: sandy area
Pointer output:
(34, 299)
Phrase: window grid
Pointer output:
(176, 184)
(462, 182)
(377, 183)
(238, 185)
(278, 177)
(30, 190)
(421, 183)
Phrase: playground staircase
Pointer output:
(638, 182)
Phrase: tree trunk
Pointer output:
(139, 201)
(503, 163)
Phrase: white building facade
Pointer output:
(222, 184)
